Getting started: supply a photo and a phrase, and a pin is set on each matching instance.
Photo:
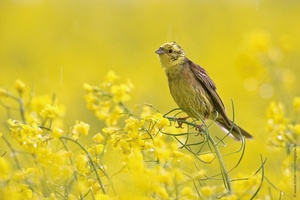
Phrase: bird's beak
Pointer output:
(159, 51)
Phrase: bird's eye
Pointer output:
(170, 50)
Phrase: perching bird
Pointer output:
(193, 90)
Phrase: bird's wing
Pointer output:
(210, 88)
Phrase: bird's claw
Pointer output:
(180, 121)
(199, 128)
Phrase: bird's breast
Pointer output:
(188, 92)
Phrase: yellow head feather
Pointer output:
(170, 55)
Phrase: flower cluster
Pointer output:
(144, 155)
(41, 163)
(106, 100)
(284, 134)
(263, 62)
(284, 131)
(158, 159)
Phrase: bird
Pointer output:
(194, 91)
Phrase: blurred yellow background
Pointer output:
(56, 46)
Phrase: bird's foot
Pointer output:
(180, 121)
(199, 128)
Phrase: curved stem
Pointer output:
(22, 108)
(215, 150)
(225, 174)
(91, 160)
(71, 160)
(14, 153)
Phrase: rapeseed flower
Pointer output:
(80, 128)
(20, 86)
(49, 112)
(152, 156)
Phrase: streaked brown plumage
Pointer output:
(193, 90)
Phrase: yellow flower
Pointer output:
(162, 193)
(20, 86)
(88, 87)
(30, 136)
(13, 123)
(296, 130)
(4, 169)
(96, 149)
(44, 157)
(259, 41)
(91, 101)
(22, 174)
(147, 112)
(49, 111)
(109, 130)
(129, 84)
(98, 138)
(103, 110)
(133, 124)
(161, 122)
(275, 112)
(177, 155)
(57, 164)
(114, 115)
(19, 175)
(178, 174)
(149, 146)
(207, 191)
(110, 78)
(81, 185)
(124, 146)
(120, 93)
(81, 164)
(57, 132)
(61, 157)
(66, 171)
(80, 128)
(94, 185)
(165, 176)
(246, 187)
(25, 191)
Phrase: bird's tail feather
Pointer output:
(235, 131)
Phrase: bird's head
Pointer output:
(170, 54)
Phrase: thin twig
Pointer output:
(225, 174)
(262, 175)
(13, 151)
(91, 161)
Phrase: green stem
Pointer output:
(262, 168)
(14, 153)
(225, 174)
(91, 160)
(71, 160)
(21, 106)
(22, 109)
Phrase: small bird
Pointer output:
(193, 90)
